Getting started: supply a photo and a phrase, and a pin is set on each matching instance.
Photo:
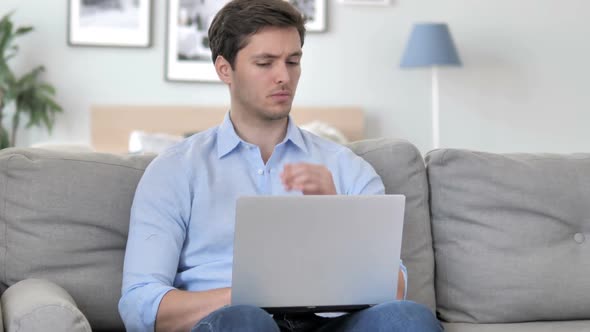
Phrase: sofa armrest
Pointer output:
(40, 305)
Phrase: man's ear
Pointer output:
(223, 69)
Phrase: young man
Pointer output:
(178, 261)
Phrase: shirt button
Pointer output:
(579, 237)
(260, 171)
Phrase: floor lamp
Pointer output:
(431, 45)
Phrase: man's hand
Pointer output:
(180, 310)
(311, 179)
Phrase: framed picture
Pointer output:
(188, 57)
(314, 13)
(116, 23)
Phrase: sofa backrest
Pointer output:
(64, 217)
(511, 235)
(401, 167)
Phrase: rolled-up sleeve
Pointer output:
(157, 230)
(405, 273)
(357, 176)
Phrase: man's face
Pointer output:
(265, 74)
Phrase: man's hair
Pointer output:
(238, 20)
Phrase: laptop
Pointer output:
(316, 253)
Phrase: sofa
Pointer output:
(492, 242)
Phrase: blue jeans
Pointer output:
(390, 316)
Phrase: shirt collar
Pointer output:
(228, 139)
(294, 135)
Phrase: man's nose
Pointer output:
(282, 74)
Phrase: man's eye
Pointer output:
(263, 64)
(293, 63)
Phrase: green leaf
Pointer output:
(4, 138)
(7, 16)
(16, 119)
(47, 88)
(47, 120)
(31, 77)
(33, 118)
(32, 97)
(5, 37)
(23, 30)
(11, 53)
(55, 108)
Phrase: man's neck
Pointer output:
(266, 134)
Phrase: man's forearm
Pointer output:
(401, 285)
(181, 310)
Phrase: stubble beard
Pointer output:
(274, 112)
(273, 116)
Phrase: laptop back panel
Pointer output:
(316, 253)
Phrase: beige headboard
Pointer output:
(112, 125)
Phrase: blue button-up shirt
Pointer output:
(182, 219)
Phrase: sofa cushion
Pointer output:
(511, 235)
(401, 168)
(40, 305)
(64, 217)
(565, 326)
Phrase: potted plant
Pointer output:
(31, 97)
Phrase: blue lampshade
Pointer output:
(430, 44)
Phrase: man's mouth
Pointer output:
(281, 96)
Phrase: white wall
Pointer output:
(523, 86)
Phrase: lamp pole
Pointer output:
(430, 46)
(435, 110)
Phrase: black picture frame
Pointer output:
(188, 57)
(110, 23)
